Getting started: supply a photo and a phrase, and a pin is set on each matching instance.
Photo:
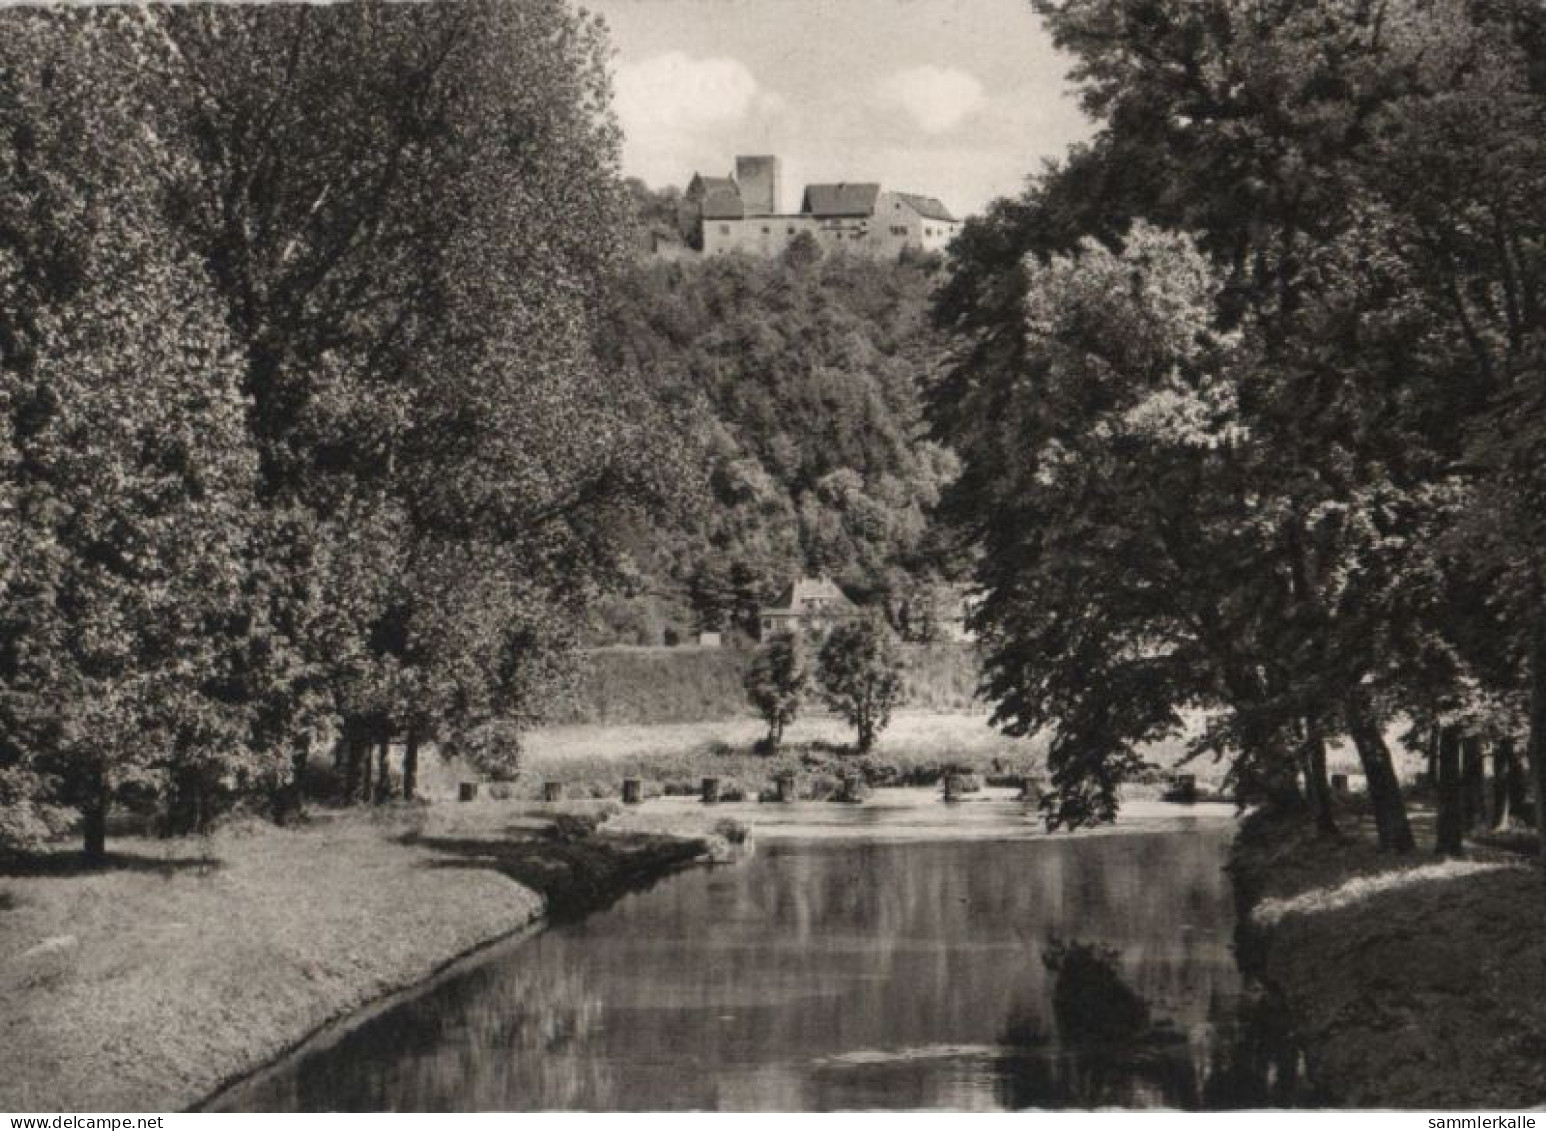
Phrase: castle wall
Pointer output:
(883, 235)
(755, 235)
(894, 226)
(937, 234)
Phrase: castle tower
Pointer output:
(759, 181)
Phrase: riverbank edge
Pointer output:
(165, 979)
(1393, 997)
(655, 858)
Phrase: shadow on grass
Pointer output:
(574, 877)
(64, 864)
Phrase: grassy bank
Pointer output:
(644, 686)
(145, 985)
(1409, 982)
(592, 761)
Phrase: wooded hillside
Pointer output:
(797, 381)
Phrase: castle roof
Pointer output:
(702, 186)
(840, 200)
(722, 205)
(929, 207)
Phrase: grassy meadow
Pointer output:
(591, 760)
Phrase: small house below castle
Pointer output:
(809, 606)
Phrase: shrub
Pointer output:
(27, 821)
(851, 788)
(732, 830)
(567, 828)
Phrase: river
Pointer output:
(888, 955)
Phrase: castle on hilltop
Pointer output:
(740, 213)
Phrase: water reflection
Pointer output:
(830, 974)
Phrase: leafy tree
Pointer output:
(412, 212)
(1355, 175)
(350, 262)
(1287, 142)
(128, 467)
(775, 681)
(860, 676)
(1105, 492)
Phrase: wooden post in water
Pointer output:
(710, 790)
(467, 791)
(632, 791)
(784, 784)
(552, 791)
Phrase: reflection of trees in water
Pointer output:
(1254, 1060)
(1096, 1076)
(1108, 1052)
(725, 988)
(527, 1033)
(496, 1037)
(1091, 1002)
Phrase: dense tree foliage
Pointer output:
(306, 436)
(796, 382)
(128, 470)
(1269, 329)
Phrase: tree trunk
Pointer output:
(411, 764)
(94, 818)
(367, 779)
(353, 752)
(1268, 767)
(1473, 776)
(1390, 820)
(1449, 827)
(1317, 785)
(383, 777)
(1508, 784)
(1538, 732)
(298, 764)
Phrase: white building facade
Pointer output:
(739, 214)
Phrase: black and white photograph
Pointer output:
(799, 556)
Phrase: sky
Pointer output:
(959, 99)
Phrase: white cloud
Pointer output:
(682, 115)
(938, 98)
(676, 92)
